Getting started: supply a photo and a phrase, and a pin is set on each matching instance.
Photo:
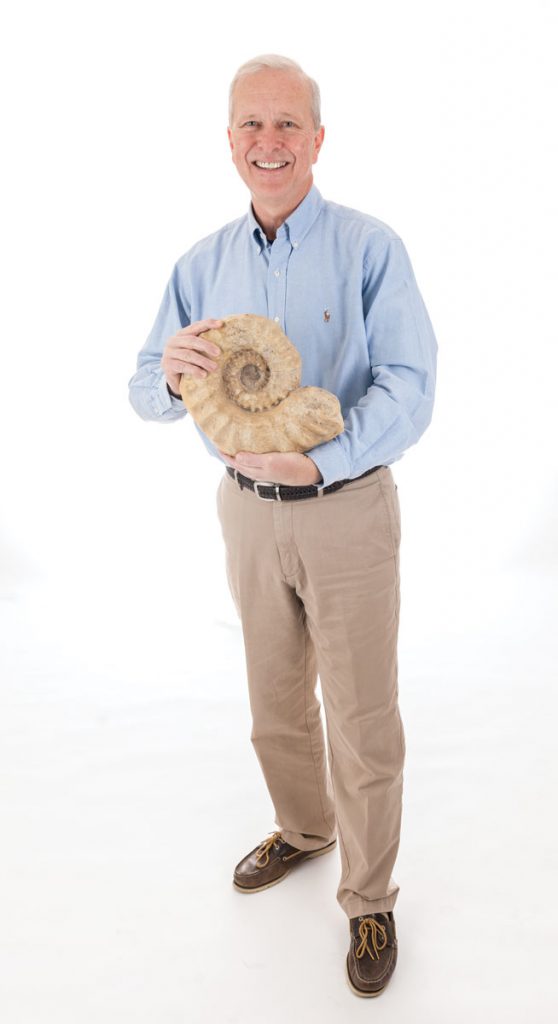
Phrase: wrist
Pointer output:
(173, 393)
(317, 477)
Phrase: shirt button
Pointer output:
(295, 245)
(277, 273)
(276, 318)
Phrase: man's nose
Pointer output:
(270, 136)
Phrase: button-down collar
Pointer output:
(297, 224)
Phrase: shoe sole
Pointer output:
(358, 991)
(268, 885)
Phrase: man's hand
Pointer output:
(186, 353)
(291, 468)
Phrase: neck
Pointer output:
(270, 216)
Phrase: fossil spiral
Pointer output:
(252, 401)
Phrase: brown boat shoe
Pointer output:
(270, 862)
(372, 954)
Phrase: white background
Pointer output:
(130, 788)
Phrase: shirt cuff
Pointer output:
(161, 400)
(331, 462)
(172, 394)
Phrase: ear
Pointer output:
(318, 140)
(231, 144)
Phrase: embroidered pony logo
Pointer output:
(327, 316)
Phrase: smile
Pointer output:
(265, 166)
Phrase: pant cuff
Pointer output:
(306, 842)
(359, 908)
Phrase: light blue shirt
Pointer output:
(341, 286)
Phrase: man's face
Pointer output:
(272, 123)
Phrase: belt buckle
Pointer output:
(267, 483)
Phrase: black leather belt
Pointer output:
(281, 492)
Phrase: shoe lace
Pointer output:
(263, 850)
(370, 928)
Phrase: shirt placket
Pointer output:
(279, 254)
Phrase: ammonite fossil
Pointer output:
(252, 401)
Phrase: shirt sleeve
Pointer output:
(147, 388)
(397, 407)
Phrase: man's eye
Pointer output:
(290, 124)
(249, 123)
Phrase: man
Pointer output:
(313, 564)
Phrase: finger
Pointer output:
(181, 363)
(228, 459)
(183, 342)
(199, 327)
(194, 371)
(256, 461)
(190, 369)
(199, 360)
(254, 457)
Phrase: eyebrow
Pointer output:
(282, 113)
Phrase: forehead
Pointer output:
(267, 90)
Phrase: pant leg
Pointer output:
(287, 732)
(348, 544)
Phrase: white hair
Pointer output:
(277, 63)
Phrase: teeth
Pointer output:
(262, 163)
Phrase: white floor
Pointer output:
(130, 789)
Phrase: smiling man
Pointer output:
(274, 142)
(312, 540)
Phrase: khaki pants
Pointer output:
(316, 585)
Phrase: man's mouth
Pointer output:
(266, 165)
